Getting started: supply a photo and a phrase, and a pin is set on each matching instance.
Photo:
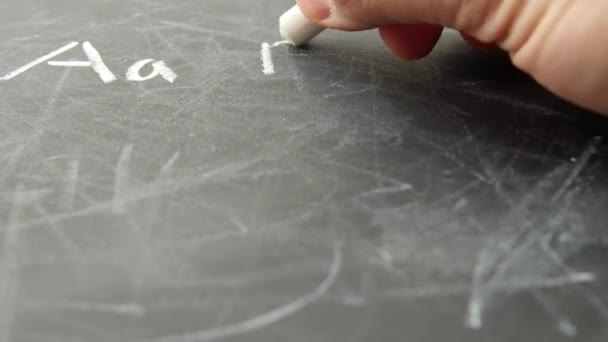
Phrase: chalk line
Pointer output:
(272, 316)
(474, 318)
(267, 60)
(583, 161)
(282, 42)
(166, 72)
(134, 75)
(159, 68)
(71, 64)
(38, 61)
(97, 63)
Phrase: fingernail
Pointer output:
(317, 10)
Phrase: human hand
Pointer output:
(560, 43)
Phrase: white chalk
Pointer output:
(267, 60)
(69, 64)
(40, 60)
(296, 28)
(97, 63)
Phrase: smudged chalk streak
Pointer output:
(122, 179)
(272, 316)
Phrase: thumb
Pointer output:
(558, 42)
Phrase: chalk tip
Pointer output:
(284, 31)
(295, 28)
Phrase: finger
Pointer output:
(559, 43)
(567, 53)
(315, 10)
(487, 20)
(486, 47)
(411, 41)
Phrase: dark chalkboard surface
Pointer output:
(157, 185)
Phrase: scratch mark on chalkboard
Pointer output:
(219, 172)
(578, 167)
(47, 111)
(224, 34)
(240, 280)
(514, 102)
(389, 190)
(297, 78)
(168, 42)
(267, 60)
(125, 309)
(597, 302)
(168, 170)
(57, 231)
(272, 316)
(567, 328)
(493, 262)
(9, 288)
(375, 82)
(70, 184)
(164, 178)
(29, 196)
(553, 255)
(11, 160)
(353, 168)
(365, 199)
(243, 229)
(564, 325)
(122, 179)
(239, 230)
(428, 291)
(522, 239)
(38, 61)
(347, 93)
(458, 195)
(506, 286)
(474, 318)
(556, 282)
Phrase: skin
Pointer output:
(560, 43)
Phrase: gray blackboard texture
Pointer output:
(162, 179)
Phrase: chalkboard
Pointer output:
(169, 172)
